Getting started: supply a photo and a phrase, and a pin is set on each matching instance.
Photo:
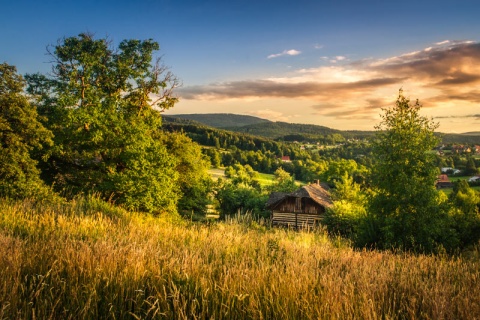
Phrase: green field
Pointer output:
(266, 179)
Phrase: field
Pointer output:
(90, 260)
(264, 179)
(458, 178)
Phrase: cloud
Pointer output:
(469, 96)
(270, 115)
(445, 76)
(276, 89)
(442, 42)
(334, 59)
(475, 116)
(435, 65)
(291, 52)
(367, 110)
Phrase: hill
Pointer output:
(222, 120)
(474, 133)
(277, 130)
(292, 131)
(263, 128)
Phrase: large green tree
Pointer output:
(21, 133)
(405, 208)
(103, 105)
(192, 166)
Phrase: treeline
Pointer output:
(226, 148)
(218, 138)
(303, 133)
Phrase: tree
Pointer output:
(405, 207)
(284, 182)
(348, 210)
(242, 175)
(239, 198)
(465, 202)
(214, 156)
(471, 168)
(194, 180)
(103, 105)
(20, 134)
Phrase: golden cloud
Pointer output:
(440, 74)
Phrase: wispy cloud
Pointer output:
(275, 89)
(334, 59)
(291, 52)
(270, 115)
(442, 42)
(475, 116)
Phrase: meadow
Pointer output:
(90, 260)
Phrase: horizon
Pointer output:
(300, 123)
(329, 63)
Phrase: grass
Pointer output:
(216, 173)
(90, 260)
(266, 179)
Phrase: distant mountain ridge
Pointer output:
(290, 131)
(277, 130)
(221, 120)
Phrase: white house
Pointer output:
(474, 179)
(450, 170)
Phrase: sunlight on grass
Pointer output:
(91, 260)
(265, 179)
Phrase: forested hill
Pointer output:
(222, 120)
(291, 131)
(264, 128)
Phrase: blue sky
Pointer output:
(331, 63)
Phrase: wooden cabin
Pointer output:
(443, 182)
(303, 208)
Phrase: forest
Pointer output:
(88, 157)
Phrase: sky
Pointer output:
(330, 63)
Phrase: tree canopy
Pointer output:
(103, 106)
(405, 205)
(20, 134)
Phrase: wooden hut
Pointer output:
(300, 209)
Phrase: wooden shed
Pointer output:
(303, 208)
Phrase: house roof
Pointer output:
(276, 197)
(317, 192)
(443, 178)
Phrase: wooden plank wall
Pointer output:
(306, 206)
(296, 220)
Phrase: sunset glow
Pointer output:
(319, 62)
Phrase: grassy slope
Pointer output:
(90, 260)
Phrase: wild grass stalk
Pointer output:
(90, 260)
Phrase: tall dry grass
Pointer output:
(89, 260)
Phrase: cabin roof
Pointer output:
(317, 192)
